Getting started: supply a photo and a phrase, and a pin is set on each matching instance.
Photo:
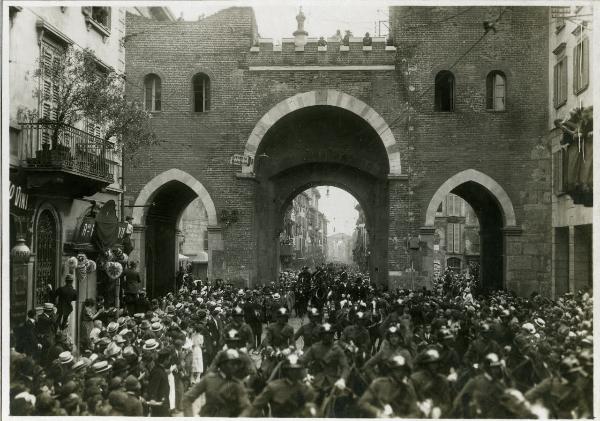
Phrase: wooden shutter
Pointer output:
(49, 89)
(564, 81)
(450, 238)
(585, 65)
(576, 60)
(555, 90)
(457, 237)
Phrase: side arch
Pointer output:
(174, 174)
(506, 207)
(332, 98)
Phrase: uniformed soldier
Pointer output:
(244, 330)
(279, 334)
(375, 365)
(479, 397)
(429, 383)
(358, 335)
(233, 341)
(310, 331)
(288, 396)
(226, 395)
(563, 395)
(327, 362)
(392, 395)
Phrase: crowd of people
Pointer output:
(361, 351)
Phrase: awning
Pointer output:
(183, 257)
(201, 257)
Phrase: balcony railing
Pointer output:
(48, 145)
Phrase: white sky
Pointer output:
(338, 209)
(277, 18)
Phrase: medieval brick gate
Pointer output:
(363, 119)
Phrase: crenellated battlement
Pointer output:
(289, 53)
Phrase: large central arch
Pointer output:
(321, 138)
(331, 98)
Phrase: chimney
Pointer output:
(300, 34)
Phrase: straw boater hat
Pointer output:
(65, 357)
(150, 344)
(112, 327)
(48, 307)
(101, 367)
(156, 327)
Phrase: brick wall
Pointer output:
(507, 146)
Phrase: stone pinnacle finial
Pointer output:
(300, 34)
(300, 18)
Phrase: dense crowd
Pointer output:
(450, 351)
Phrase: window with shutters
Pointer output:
(496, 91)
(201, 87)
(152, 93)
(560, 83)
(444, 91)
(581, 76)
(49, 91)
(453, 238)
(560, 166)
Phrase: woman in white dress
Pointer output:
(197, 340)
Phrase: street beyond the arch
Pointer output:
(323, 210)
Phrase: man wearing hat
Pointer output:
(158, 390)
(310, 331)
(429, 383)
(392, 395)
(243, 329)
(479, 396)
(327, 362)
(46, 328)
(233, 341)
(377, 363)
(279, 334)
(64, 296)
(226, 395)
(564, 394)
(133, 406)
(253, 316)
(358, 334)
(288, 396)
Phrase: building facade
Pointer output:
(569, 131)
(339, 248)
(303, 240)
(456, 241)
(59, 180)
(378, 120)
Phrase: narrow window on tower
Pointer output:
(152, 92)
(201, 87)
(496, 91)
(444, 91)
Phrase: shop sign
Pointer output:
(86, 230)
(17, 197)
(237, 159)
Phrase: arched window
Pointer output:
(152, 93)
(444, 91)
(201, 86)
(46, 250)
(496, 91)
